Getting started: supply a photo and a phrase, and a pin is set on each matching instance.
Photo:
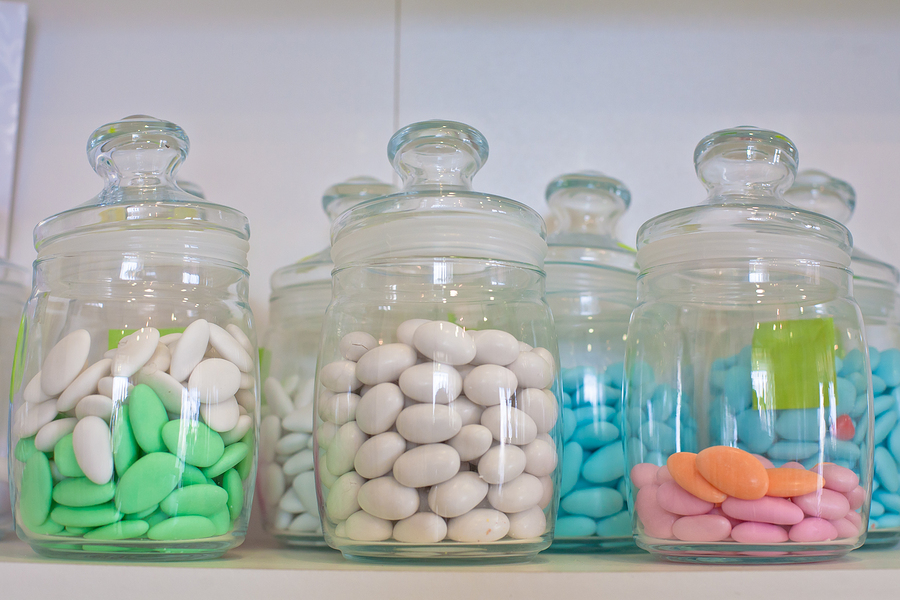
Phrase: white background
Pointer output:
(282, 98)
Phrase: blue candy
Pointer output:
(862, 430)
(846, 396)
(596, 502)
(605, 465)
(886, 469)
(888, 500)
(620, 487)
(888, 521)
(853, 363)
(574, 526)
(572, 456)
(615, 374)
(590, 414)
(883, 403)
(861, 406)
(755, 432)
(874, 358)
(595, 435)
(889, 367)
(611, 396)
(618, 525)
(737, 388)
(884, 425)
(836, 449)
(723, 364)
(722, 426)
(894, 444)
(655, 458)
(803, 425)
(878, 385)
(717, 380)
(662, 404)
(658, 436)
(860, 381)
(792, 450)
(574, 378)
(569, 423)
(876, 509)
(636, 451)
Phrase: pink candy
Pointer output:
(856, 497)
(824, 503)
(844, 528)
(643, 474)
(839, 479)
(702, 528)
(663, 475)
(778, 511)
(750, 532)
(813, 529)
(765, 461)
(673, 498)
(657, 522)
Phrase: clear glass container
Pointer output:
(875, 289)
(135, 389)
(13, 294)
(745, 317)
(591, 289)
(436, 410)
(300, 294)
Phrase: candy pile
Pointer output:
(154, 440)
(441, 435)
(725, 494)
(885, 510)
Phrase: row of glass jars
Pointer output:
(435, 420)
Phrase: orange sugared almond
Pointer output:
(785, 483)
(683, 469)
(733, 471)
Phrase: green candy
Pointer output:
(48, 527)
(88, 516)
(142, 516)
(158, 516)
(64, 457)
(150, 479)
(81, 491)
(222, 521)
(193, 442)
(24, 449)
(36, 491)
(147, 416)
(183, 528)
(124, 446)
(232, 456)
(193, 476)
(78, 530)
(245, 467)
(123, 530)
(202, 499)
(232, 484)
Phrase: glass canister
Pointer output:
(591, 289)
(875, 289)
(437, 414)
(13, 294)
(135, 392)
(300, 294)
(745, 318)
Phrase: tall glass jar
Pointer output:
(13, 294)
(591, 288)
(135, 392)
(300, 294)
(437, 414)
(745, 318)
(875, 289)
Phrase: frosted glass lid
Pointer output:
(745, 216)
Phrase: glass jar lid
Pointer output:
(337, 199)
(141, 206)
(819, 192)
(745, 216)
(437, 214)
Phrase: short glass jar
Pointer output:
(135, 392)
(745, 318)
(591, 289)
(300, 294)
(437, 415)
(875, 289)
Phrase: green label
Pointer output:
(16, 379)
(792, 364)
(116, 335)
(265, 362)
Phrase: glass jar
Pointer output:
(437, 414)
(135, 391)
(745, 317)
(875, 289)
(300, 294)
(591, 288)
(13, 294)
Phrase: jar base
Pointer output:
(748, 554)
(513, 551)
(880, 539)
(299, 541)
(593, 544)
(134, 550)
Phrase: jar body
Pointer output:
(142, 442)
(431, 453)
(286, 466)
(12, 297)
(736, 385)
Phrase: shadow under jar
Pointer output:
(135, 393)
(745, 317)
(437, 416)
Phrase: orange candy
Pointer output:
(683, 469)
(785, 483)
(736, 472)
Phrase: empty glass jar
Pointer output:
(135, 391)
(300, 294)
(591, 288)
(745, 319)
(437, 415)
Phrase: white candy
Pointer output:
(378, 408)
(363, 527)
(162, 357)
(471, 442)
(540, 405)
(384, 363)
(238, 334)
(377, 455)
(426, 465)
(445, 342)
(65, 361)
(517, 495)
(229, 348)
(327, 478)
(339, 408)
(95, 405)
(170, 338)
(305, 486)
(458, 495)
(531, 370)
(306, 393)
(272, 484)
(51, 433)
(246, 399)
(340, 376)
(325, 434)
(276, 397)
(29, 418)
(469, 412)
(116, 388)
(342, 499)
(305, 523)
(214, 380)
(170, 392)
(547, 356)
(33, 392)
(478, 525)
(245, 422)
(540, 458)
(298, 463)
(222, 416)
(283, 519)
(428, 423)
(93, 449)
(291, 503)
(495, 347)
(386, 499)
(431, 382)
(83, 385)
(290, 384)
(134, 351)
(530, 523)
(407, 330)
(502, 463)
(300, 419)
(509, 425)
(421, 528)
(344, 447)
(248, 381)
(547, 497)
(489, 385)
(292, 443)
(269, 430)
(190, 349)
(355, 344)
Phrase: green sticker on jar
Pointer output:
(792, 364)
(115, 335)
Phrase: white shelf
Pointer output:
(261, 569)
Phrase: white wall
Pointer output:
(283, 98)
